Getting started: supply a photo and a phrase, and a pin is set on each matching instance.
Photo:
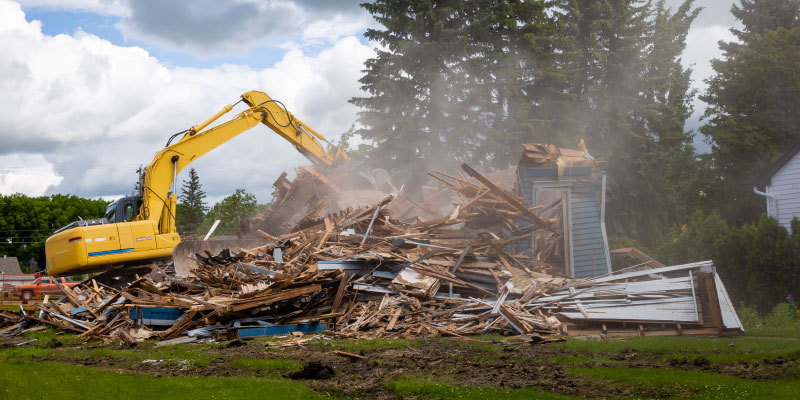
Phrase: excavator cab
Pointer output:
(124, 209)
(116, 239)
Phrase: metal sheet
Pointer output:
(349, 265)
(255, 331)
(730, 320)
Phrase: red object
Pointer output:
(42, 286)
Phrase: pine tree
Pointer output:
(472, 80)
(632, 98)
(457, 81)
(678, 174)
(417, 114)
(753, 102)
(762, 16)
(192, 206)
(517, 88)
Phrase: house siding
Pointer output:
(785, 186)
(588, 246)
(588, 241)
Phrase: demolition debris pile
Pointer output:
(381, 271)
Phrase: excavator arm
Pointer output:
(305, 139)
(127, 238)
(162, 172)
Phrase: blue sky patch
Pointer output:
(55, 22)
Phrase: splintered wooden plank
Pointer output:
(395, 317)
(177, 327)
(328, 228)
(502, 193)
(266, 235)
(337, 301)
(68, 293)
(519, 325)
(349, 355)
(272, 298)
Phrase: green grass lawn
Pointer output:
(47, 380)
(705, 385)
(36, 371)
(721, 350)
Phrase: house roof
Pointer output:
(549, 157)
(9, 265)
(766, 178)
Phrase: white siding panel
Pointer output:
(787, 204)
(785, 186)
(786, 175)
(771, 208)
(791, 168)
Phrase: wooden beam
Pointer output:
(511, 201)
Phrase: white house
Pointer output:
(782, 182)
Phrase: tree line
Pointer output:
(456, 80)
(472, 80)
(26, 222)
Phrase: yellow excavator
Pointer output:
(141, 228)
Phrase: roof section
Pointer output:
(544, 153)
(766, 178)
(9, 265)
(548, 156)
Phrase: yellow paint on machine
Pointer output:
(94, 247)
(152, 233)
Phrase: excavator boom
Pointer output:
(126, 237)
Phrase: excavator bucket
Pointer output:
(184, 253)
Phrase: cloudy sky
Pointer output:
(93, 88)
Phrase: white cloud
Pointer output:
(211, 28)
(30, 174)
(96, 111)
(63, 88)
(701, 47)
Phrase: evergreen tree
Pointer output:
(472, 80)
(632, 99)
(753, 102)
(762, 16)
(670, 165)
(457, 81)
(517, 90)
(404, 118)
(192, 206)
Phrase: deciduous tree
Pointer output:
(231, 211)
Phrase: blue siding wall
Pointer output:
(588, 242)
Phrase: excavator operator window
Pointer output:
(127, 214)
(111, 210)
